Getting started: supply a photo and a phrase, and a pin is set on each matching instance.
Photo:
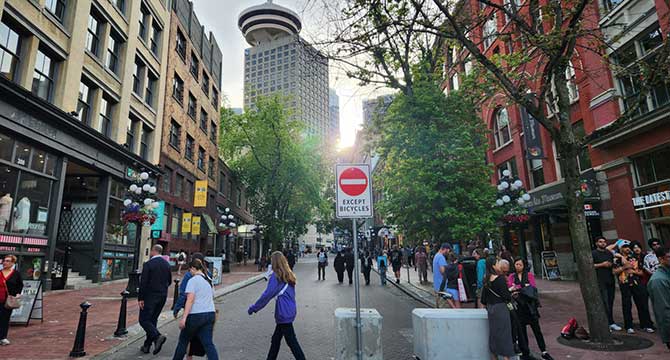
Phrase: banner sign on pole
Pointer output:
(186, 223)
(195, 225)
(354, 191)
(531, 135)
(200, 196)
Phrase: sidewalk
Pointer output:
(561, 300)
(53, 338)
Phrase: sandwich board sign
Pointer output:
(354, 191)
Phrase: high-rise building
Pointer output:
(375, 107)
(280, 62)
(334, 112)
(81, 104)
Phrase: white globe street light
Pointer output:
(144, 176)
(127, 202)
(152, 190)
(525, 197)
(500, 188)
(506, 173)
(133, 188)
(520, 201)
(499, 202)
(504, 184)
(506, 199)
(147, 202)
(146, 187)
(518, 183)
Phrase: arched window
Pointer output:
(501, 129)
(573, 92)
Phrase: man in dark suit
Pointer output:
(154, 282)
(349, 263)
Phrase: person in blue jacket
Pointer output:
(281, 285)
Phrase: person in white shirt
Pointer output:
(650, 260)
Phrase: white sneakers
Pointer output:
(615, 327)
(649, 330)
(4, 342)
(630, 331)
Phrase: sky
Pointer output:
(220, 17)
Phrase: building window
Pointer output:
(508, 165)
(215, 99)
(201, 158)
(178, 88)
(222, 182)
(144, 19)
(44, 75)
(178, 185)
(653, 167)
(188, 191)
(149, 94)
(188, 152)
(57, 8)
(195, 66)
(145, 138)
(501, 128)
(130, 134)
(155, 45)
(210, 167)
(106, 113)
(192, 106)
(573, 92)
(490, 31)
(213, 132)
(138, 76)
(120, 5)
(205, 84)
(536, 173)
(113, 53)
(175, 134)
(181, 45)
(167, 180)
(204, 119)
(609, 5)
(175, 223)
(84, 103)
(93, 34)
(10, 46)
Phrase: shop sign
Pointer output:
(651, 201)
(550, 269)
(591, 211)
(156, 234)
(159, 211)
(31, 303)
(195, 225)
(130, 173)
(186, 222)
(200, 197)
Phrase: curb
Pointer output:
(136, 333)
(408, 292)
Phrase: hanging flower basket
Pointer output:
(516, 219)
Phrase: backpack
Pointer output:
(181, 257)
(322, 257)
(382, 263)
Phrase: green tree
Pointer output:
(280, 168)
(434, 177)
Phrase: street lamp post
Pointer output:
(258, 230)
(228, 223)
(513, 198)
(139, 209)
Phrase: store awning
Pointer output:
(211, 229)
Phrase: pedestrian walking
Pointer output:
(396, 262)
(181, 260)
(603, 260)
(481, 272)
(366, 266)
(659, 292)
(498, 301)
(339, 266)
(11, 285)
(199, 313)
(282, 286)
(291, 259)
(439, 276)
(628, 270)
(524, 292)
(154, 282)
(382, 266)
(195, 347)
(451, 274)
(349, 264)
(421, 262)
(322, 259)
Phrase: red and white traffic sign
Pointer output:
(354, 192)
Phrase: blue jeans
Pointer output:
(202, 326)
(382, 275)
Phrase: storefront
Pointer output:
(61, 186)
(652, 193)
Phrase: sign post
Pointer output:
(354, 201)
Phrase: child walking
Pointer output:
(281, 285)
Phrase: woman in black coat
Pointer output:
(10, 284)
(338, 264)
(366, 266)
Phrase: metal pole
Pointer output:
(359, 334)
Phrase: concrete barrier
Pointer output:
(345, 336)
(446, 334)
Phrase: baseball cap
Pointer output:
(622, 242)
(445, 246)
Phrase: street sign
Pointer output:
(354, 191)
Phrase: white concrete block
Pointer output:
(345, 334)
(444, 334)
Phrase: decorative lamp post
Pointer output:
(258, 231)
(139, 209)
(227, 222)
(512, 197)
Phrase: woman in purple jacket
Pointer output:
(281, 284)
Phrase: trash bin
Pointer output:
(469, 270)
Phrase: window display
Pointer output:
(32, 206)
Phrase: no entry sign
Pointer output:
(354, 199)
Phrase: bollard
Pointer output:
(78, 347)
(121, 324)
(175, 295)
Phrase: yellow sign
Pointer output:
(186, 223)
(200, 199)
(195, 225)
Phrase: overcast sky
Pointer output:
(220, 17)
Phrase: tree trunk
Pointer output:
(588, 282)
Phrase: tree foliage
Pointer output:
(281, 169)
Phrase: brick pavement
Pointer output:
(53, 338)
(561, 300)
